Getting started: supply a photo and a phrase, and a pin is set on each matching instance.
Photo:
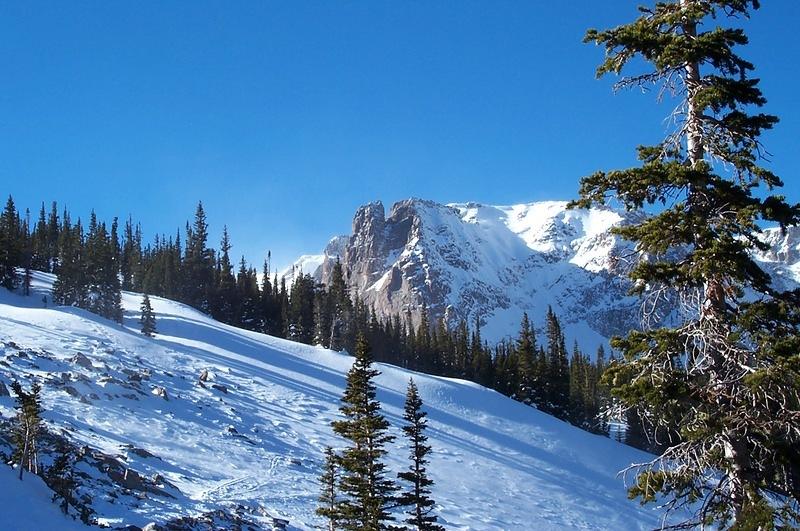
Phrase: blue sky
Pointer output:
(284, 117)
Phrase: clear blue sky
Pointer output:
(284, 117)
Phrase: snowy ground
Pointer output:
(26, 505)
(257, 438)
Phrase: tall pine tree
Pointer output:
(366, 492)
(728, 374)
(10, 246)
(417, 498)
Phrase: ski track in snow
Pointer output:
(497, 464)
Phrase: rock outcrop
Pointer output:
(489, 264)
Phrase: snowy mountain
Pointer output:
(492, 263)
(208, 426)
(317, 265)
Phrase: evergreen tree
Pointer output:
(27, 257)
(53, 235)
(341, 308)
(198, 276)
(329, 498)
(60, 476)
(557, 384)
(101, 268)
(367, 493)
(603, 392)
(322, 317)
(40, 256)
(247, 311)
(729, 373)
(10, 246)
(223, 302)
(131, 258)
(70, 286)
(300, 313)
(529, 381)
(577, 387)
(147, 320)
(417, 497)
(27, 427)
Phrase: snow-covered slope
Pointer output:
(492, 263)
(26, 505)
(250, 438)
(305, 264)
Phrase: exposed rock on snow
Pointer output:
(160, 391)
(82, 361)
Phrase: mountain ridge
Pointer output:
(490, 263)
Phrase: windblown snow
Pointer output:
(252, 435)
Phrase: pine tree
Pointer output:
(417, 497)
(729, 373)
(367, 493)
(329, 498)
(53, 236)
(301, 310)
(101, 268)
(198, 280)
(341, 309)
(10, 246)
(223, 301)
(557, 381)
(247, 298)
(528, 390)
(40, 257)
(70, 286)
(28, 426)
(60, 476)
(577, 387)
(148, 318)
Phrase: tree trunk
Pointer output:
(713, 304)
(694, 135)
(736, 453)
(24, 453)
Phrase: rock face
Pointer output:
(492, 263)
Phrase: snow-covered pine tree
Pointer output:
(728, 374)
(417, 498)
(147, 320)
(366, 492)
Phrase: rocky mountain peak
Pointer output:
(489, 264)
